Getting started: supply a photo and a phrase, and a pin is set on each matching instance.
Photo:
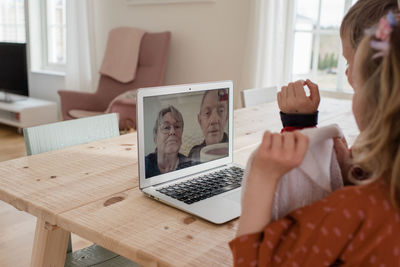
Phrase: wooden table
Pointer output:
(92, 191)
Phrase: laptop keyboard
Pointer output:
(205, 186)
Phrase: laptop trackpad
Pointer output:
(235, 196)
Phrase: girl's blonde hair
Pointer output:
(377, 148)
(363, 15)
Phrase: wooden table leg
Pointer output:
(50, 245)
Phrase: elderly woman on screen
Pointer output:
(167, 136)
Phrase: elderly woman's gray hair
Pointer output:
(176, 114)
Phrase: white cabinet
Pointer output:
(28, 112)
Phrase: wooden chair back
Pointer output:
(64, 134)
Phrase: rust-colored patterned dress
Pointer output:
(354, 226)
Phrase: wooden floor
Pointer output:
(17, 228)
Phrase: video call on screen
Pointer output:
(184, 130)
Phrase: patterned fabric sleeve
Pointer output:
(245, 249)
(248, 250)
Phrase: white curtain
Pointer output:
(79, 73)
(268, 56)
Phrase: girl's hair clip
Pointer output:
(391, 19)
(382, 33)
(379, 45)
(385, 27)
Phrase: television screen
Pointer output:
(13, 68)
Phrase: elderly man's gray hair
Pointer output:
(175, 114)
(223, 91)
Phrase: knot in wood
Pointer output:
(112, 201)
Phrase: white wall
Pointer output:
(45, 86)
(208, 39)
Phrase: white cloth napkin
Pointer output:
(318, 175)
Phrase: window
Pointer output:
(54, 34)
(317, 51)
(12, 21)
(48, 35)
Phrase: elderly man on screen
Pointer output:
(212, 119)
(167, 136)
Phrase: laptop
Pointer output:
(185, 149)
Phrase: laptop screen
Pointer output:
(185, 129)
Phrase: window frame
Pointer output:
(316, 33)
(44, 49)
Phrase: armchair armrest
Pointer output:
(78, 100)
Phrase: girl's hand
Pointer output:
(279, 153)
(293, 99)
(344, 158)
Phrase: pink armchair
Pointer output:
(149, 72)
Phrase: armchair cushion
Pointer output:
(129, 97)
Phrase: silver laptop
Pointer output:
(185, 148)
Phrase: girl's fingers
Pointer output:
(276, 141)
(314, 91)
(288, 141)
(299, 89)
(340, 145)
(290, 91)
(266, 142)
(283, 98)
(279, 98)
(284, 91)
(343, 139)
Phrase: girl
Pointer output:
(357, 225)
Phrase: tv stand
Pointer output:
(27, 113)
(9, 98)
(6, 99)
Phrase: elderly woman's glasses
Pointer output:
(165, 128)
